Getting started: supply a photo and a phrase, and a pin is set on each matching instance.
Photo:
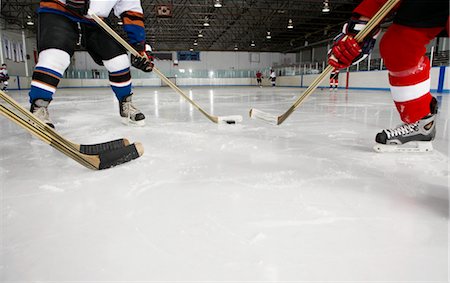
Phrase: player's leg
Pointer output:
(403, 50)
(106, 51)
(331, 82)
(57, 37)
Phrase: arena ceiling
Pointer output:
(236, 24)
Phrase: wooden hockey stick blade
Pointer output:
(90, 149)
(266, 117)
(119, 156)
(104, 160)
(371, 24)
(173, 86)
(94, 149)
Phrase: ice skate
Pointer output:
(39, 108)
(5, 86)
(415, 137)
(130, 114)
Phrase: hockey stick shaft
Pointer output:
(133, 51)
(177, 89)
(103, 160)
(371, 24)
(45, 137)
(87, 149)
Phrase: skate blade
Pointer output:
(418, 146)
(130, 122)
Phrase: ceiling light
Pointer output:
(252, 44)
(236, 47)
(200, 34)
(290, 24)
(206, 23)
(217, 4)
(195, 43)
(326, 7)
(191, 49)
(30, 21)
(120, 23)
(268, 36)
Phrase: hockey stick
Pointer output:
(90, 149)
(103, 160)
(232, 119)
(373, 22)
(43, 136)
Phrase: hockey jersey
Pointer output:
(130, 11)
(413, 13)
(4, 74)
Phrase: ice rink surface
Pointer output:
(306, 201)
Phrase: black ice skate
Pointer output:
(415, 137)
(39, 109)
(130, 114)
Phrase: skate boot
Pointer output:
(131, 115)
(415, 137)
(39, 109)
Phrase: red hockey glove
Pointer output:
(145, 61)
(346, 50)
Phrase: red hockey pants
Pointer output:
(403, 51)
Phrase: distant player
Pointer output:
(402, 48)
(63, 24)
(4, 77)
(334, 79)
(273, 77)
(259, 77)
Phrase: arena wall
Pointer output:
(377, 80)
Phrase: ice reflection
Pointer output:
(211, 101)
(156, 104)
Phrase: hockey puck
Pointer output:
(230, 122)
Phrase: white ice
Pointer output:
(306, 201)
